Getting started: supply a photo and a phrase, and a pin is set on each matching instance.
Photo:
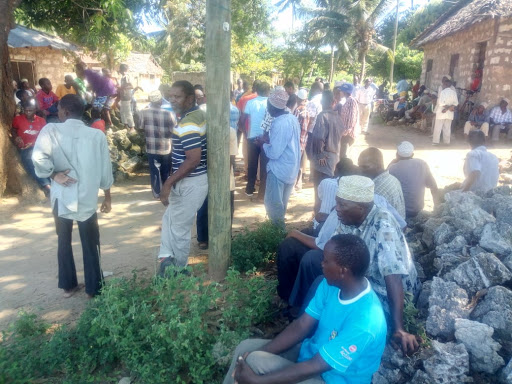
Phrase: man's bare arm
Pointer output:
(308, 241)
(400, 338)
(294, 373)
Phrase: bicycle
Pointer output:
(464, 109)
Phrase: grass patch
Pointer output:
(180, 329)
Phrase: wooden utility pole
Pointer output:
(218, 83)
(394, 47)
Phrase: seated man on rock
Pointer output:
(371, 164)
(339, 339)
(311, 241)
(392, 272)
(478, 119)
(480, 167)
(500, 120)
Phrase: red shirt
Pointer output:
(28, 130)
(46, 100)
(241, 106)
(99, 124)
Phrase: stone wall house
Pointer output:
(473, 34)
(36, 54)
(144, 71)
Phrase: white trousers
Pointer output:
(364, 116)
(186, 197)
(468, 128)
(445, 126)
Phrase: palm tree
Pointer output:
(328, 26)
(363, 15)
(348, 26)
(283, 5)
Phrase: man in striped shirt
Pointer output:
(186, 189)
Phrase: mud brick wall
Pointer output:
(497, 72)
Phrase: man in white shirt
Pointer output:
(480, 167)
(445, 108)
(364, 97)
(314, 106)
(77, 159)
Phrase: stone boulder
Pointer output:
(466, 214)
(493, 241)
(482, 349)
(428, 232)
(132, 164)
(481, 271)
(121, 139)
(447, 302)
(443, 234)
(495, 310)
(449, 364)
(420, 377)
(506, 374)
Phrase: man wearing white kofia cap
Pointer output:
(445, 110)
(392, 272)
(282, 147)
(157, 124)
(414, 176)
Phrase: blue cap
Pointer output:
(347, 88)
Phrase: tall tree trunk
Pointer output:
(363, 67)
(331, 72)
(13, 178)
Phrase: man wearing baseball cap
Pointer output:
(501, 120)
(282, 147)
(414, 176)
(349, 114)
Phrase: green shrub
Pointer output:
(180, 329)
(253, 249)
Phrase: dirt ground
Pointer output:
(130, 233)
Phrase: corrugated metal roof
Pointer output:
(21, 37)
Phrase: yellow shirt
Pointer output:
(63, 91)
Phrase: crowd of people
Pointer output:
(346, 278)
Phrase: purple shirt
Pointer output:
(101, 85)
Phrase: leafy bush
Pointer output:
(180, 329)
(252, 249)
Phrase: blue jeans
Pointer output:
(159, 171)
(26, 160)
(277, 195)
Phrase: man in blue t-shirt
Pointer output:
(254, 112)
(346, 321)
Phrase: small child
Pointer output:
(47, 100)
(96, 121)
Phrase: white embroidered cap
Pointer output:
(358, 189)
(405, 149)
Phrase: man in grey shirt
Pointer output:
(414, 176)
